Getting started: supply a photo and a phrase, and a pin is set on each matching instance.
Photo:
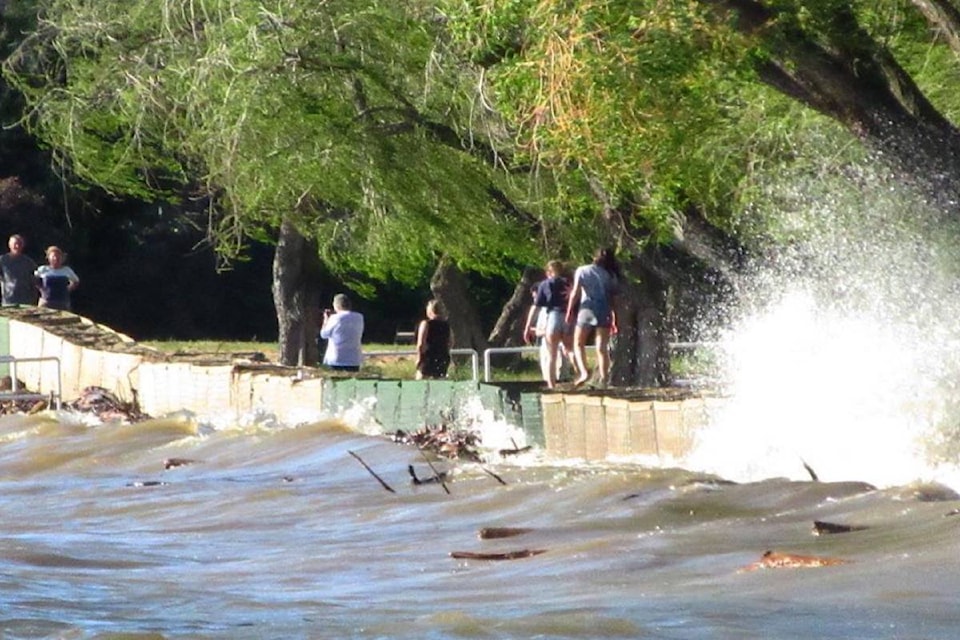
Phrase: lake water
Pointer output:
(278, 531)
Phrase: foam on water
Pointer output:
(844, 355)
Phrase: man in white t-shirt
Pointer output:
(343, 330)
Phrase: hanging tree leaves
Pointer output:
(346, 117)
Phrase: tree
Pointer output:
(340, 123)
(667, 109)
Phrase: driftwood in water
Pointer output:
(516, 450)
(491, 533)
(813, 474)
(436, 474)
(172, 463)
(456, 444)
(776, 560)
(823, 528)
(372, 472)
(107, 406)
(503, 555)
(495, 476)
(437, 478)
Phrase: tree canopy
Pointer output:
(349, 118)
(494, 133)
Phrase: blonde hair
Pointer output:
(435, 307)
(51, 249)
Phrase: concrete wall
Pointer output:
(161, 386)
(581, 426)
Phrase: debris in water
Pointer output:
(776, 560)
(491, 533)
(434, 479)
(822, 528)
(504, 555)
(172, 463)
(455, 444)
(107, 406)
(372, 472)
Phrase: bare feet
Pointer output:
(581, 380)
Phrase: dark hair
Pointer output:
(607, 258)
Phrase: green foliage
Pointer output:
(393, 132)
(658, 101)
(628, 93)
(325, 113)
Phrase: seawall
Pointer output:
(591, 426)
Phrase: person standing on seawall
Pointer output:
(343, 330)
(550, 304)
(434, 340)
(56, 281)
(17, 269)
(595, 288)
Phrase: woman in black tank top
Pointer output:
(434, 340)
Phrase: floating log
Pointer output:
(776, 560)
(503, 555)
(515, 451)
(823, 528)
(172, 463)
(491, 533)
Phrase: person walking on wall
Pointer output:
(56, 281)
(434, 341)
(595, 288)
(343, 330)
(17, 269)
(550, 303)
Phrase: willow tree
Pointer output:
(668, 109)
(338, 129)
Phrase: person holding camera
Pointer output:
(343, 330)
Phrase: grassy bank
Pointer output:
(400, 366)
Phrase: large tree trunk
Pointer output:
(450, 287)
(508, 332)
(296, 271)
(641, 356)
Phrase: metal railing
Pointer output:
(487, 377)
(16, 394)
(492, 351)
(487, 366)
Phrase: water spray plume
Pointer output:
(844, 355)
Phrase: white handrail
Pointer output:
(492, 350)
(14, 393)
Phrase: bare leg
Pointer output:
(566, 348)
(603, 355)
(580, 353)
(550, 367)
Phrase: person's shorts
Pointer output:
(556, 322)
(599, 318)
(342, 367)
